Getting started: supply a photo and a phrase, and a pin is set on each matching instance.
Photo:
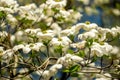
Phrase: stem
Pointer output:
(88, 56)
(101, 64)
(15, 64)
(0, 68)
(47, 50)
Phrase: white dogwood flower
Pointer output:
(7, 54)
(79, 45)
(37, 46)
(55, 68)
(115, 50)
(106, 48)
(32, 31)
(76, 58)
(26, 49)
(66, 32)
(56, 28)
(96, 49)
(45, 35)
(17, 47)
(101, 50)
(1, 50)
(60, 41)
(12, 20)
(114, 31)
(90, 34)
(19, 35)
(57, 4)
(87, 27)
(10, 3)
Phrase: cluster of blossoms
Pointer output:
(41, 32)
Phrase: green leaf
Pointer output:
(61, 18)
(117, 5)
(71, 37)
(55, 10)
(43, 26)
(24, 20)
(25, 23)
(66, 70)
(89, 42)
(74, 74)
(94, 59)
(2, 14)
(74, 68)
(70, 51)
(58, 49)
(81, 53)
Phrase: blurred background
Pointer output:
(106, 13)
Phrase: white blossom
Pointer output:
(114, 31)
(10, 3)
(57, 4)
(17, 47)
(91, 34)
(101, 50)
(26, 49)
(7, 54)
(56, 28)
(76, 58)
(8, 10)
(23, 70)
(105, 76)
(107, 48)
(79, 45)
(37, 46)
(115, 50)
(86, 2)
(55, 68)
(76, 15)
(96, 49)
(3, 36)
(12, 39)
(88, 27)
(1, 50)
(19, 35)
(12, 20)
(46, 74)
(49, 21)
(60, 41)
(116, 12)
(61, 60)
(45, 35)
(32, 31)
(67, 32)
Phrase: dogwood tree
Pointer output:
(45, 41)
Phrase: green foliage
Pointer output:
(70, 51)
(71, 37)
(89, 42)
(94, 59)
(81, 53)
(2, 14)
(118, 5)
(26, 23)
(43, 26)
(55, 10)
(74, 74)
(60, 19)
(72, 69)
(58, 49)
